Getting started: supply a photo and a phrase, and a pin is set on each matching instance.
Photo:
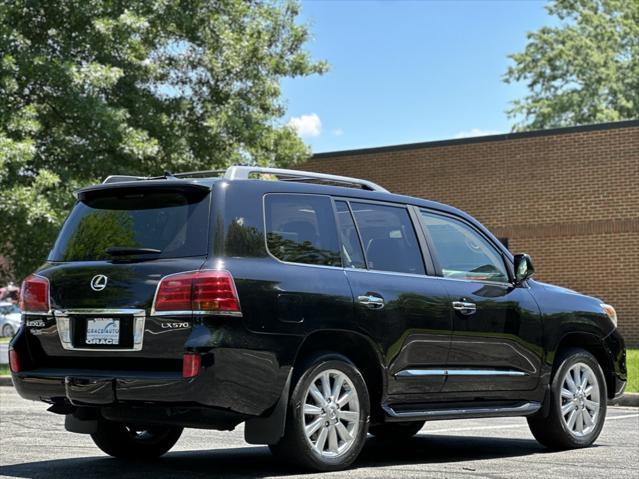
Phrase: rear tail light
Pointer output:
(14, 361)
(34, 295)
(191, 365)
(197, 291)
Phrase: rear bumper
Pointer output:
(246, 380)
(242, 382)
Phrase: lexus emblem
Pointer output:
(99, 282)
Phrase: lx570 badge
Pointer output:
(175, 325)
(35, 323)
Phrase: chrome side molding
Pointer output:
(411, 373)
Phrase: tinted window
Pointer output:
(351, 246)
(175, 223)
(389, 238)
(301, 229)
(462, 252)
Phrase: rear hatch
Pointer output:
(117, 244)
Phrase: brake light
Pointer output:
(34, 295)
(203, 291)
(14, 361)
(191, 365)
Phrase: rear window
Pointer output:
(172, 222)
(389, 238)
(301, 229)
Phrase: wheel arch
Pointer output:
(357, 348)
(595, 346)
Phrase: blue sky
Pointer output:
(408, 71)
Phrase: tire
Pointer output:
(396, 431)
(133, 442)
(562, 430)
(7, 331)
(337, 420)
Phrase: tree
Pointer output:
(90, 88)
(584, 70)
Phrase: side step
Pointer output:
(400, 412)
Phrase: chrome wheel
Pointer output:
(331, 413)
(7, 331)
(580, 402)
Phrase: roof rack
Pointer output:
(246, 172)
(121, 178)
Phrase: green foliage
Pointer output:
(98, 231)
(633, 370)
(301, 252)
(583, 70)
(90, 88)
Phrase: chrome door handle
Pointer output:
(371, 301)
(464, 307)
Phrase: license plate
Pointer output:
(103, 331)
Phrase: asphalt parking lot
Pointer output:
(33, 444)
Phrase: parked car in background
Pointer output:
(9, 319)
(313, 313)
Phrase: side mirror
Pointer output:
(524, 268)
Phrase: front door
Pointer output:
(396, 304)
(497, 329)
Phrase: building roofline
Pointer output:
(481, 139)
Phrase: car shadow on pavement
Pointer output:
(258, 462)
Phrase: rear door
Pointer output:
(497, 329)
(300, 287)
(103, 272)
(396, 303)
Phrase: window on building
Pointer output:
(301, 229)
(351, 246)
(462, 252)
(389, 238)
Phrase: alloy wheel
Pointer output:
(580, 401)
(331, 413)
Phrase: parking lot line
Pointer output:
(621, 417)
(510, 426)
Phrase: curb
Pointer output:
(6, 381)
(628, 399)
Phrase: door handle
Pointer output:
(465, 308)
(371, 301)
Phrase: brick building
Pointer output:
(569, 197)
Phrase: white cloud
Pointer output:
(306, 125)
(476, 132)
(337, 132)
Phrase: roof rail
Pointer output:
(122, 178)
(209, 173)
(245, 172)
(166, 176)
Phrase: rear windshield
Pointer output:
(168, 224)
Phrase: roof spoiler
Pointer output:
(177, 185)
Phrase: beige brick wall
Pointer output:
(569, 198)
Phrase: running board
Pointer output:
(422, 414)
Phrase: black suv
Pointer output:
(313, 308)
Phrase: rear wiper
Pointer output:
(129, 250)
